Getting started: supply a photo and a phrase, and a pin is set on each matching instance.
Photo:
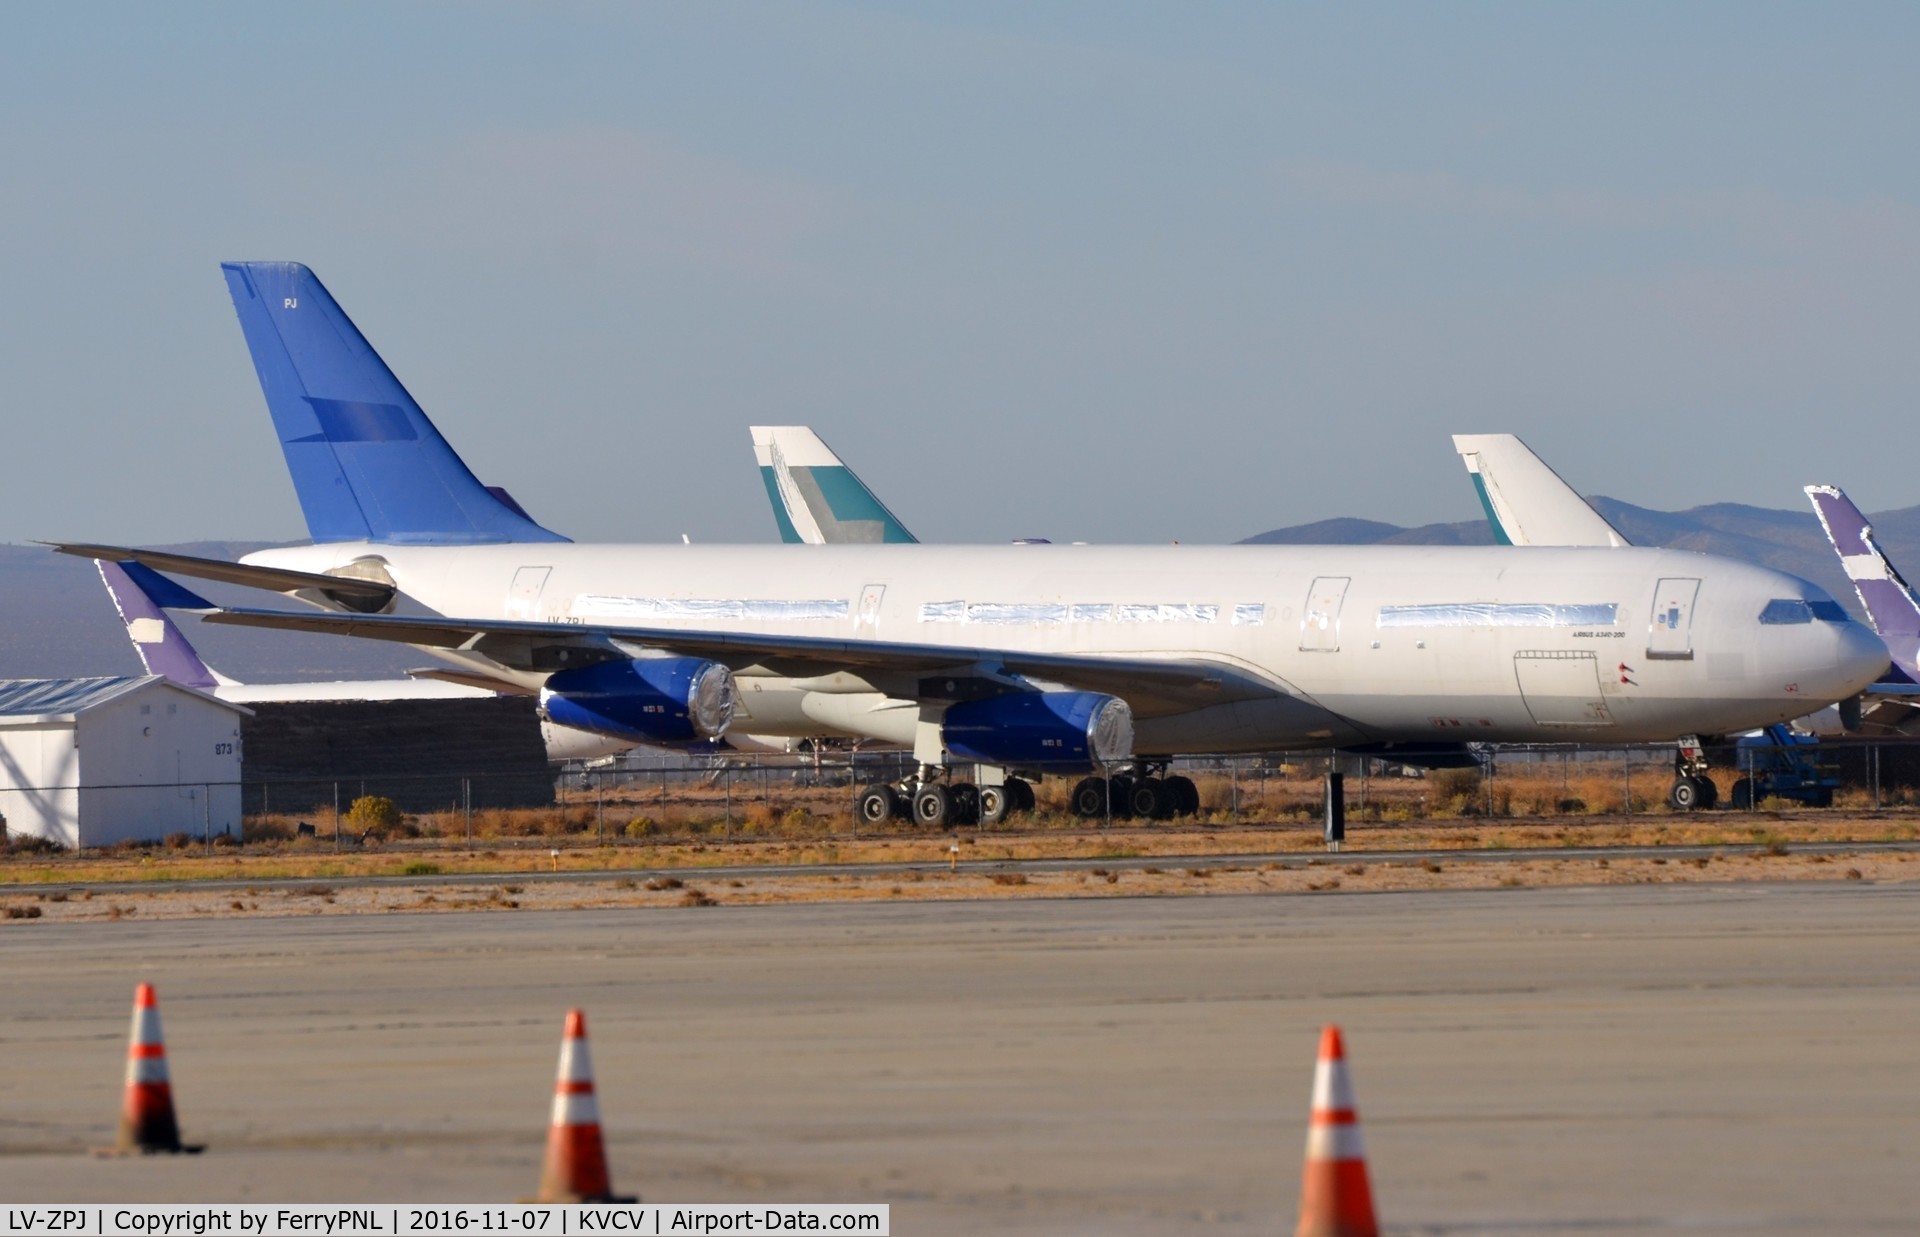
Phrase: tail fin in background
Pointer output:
(1889, 600)
(366, 462)
(1526, 502)
(139, 593)
(817, 500)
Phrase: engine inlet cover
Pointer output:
(668, 701)
(1076, 730)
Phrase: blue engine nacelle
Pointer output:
(1072, 729)
(667, 701)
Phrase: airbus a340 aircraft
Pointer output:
(1017, 657)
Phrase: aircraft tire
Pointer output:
(1185, 795)
(932, 806)
(1709, 793)
(1684, 795)
(1019, 795)
(965, 799)
(1089, 798)
(1147, 799)
(875, 806)
(995, 803)
(1742, 797)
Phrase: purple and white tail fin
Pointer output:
(1889, 600)
(162, 649)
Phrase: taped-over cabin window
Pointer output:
(1498, 614)
(1000, 612)
(1249, 616)
(728, 609)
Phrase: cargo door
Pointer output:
(1561, 688)
(868, 617)
(1671, 631)
(1320, 617)
(523, 600)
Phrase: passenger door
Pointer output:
(1320, 618)
(523, 600)
(1670, 632)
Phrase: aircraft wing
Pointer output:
(1150, 685)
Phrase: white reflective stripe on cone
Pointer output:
(576, 1063)
(1332, 1087)
(1335, 1142)
(577, 1108)
(146, 1026)
(146, 1070)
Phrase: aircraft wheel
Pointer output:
(1742, 797)
(875, 806)
(1709, 793)
(1090, 797)
(1684, 795)
(1019, 795)
(1821, 798)
(932, 806)
(1185, 795)
(995, 803)
(965, 799)
(1148, 799)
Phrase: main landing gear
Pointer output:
(1145, 792)
(936, 804)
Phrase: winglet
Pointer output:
(1888, 598)
(817, 499)
(366, 462)
(139, 594)
(1526, 502)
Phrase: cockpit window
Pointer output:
(1795, 610)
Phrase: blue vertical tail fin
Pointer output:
(366, 462)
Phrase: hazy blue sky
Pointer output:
(1100, 271)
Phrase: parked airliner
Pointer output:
(1045, 657)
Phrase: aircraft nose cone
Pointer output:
(1861, 658)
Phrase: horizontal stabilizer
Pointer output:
(362, 595)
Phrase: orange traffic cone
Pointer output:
(1335, 1199)
(576, 1167)
(147, 1123)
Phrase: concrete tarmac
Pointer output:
(1708, 1058)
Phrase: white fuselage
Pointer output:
(1359, 643)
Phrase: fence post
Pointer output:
(466, 794)
(726, 830)
(1233, 780)
(600, 808)
(1626, 764)
(206, 816)
(336, 816)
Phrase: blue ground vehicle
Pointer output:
(1779, 762)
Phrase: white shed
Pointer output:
(91, 762)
